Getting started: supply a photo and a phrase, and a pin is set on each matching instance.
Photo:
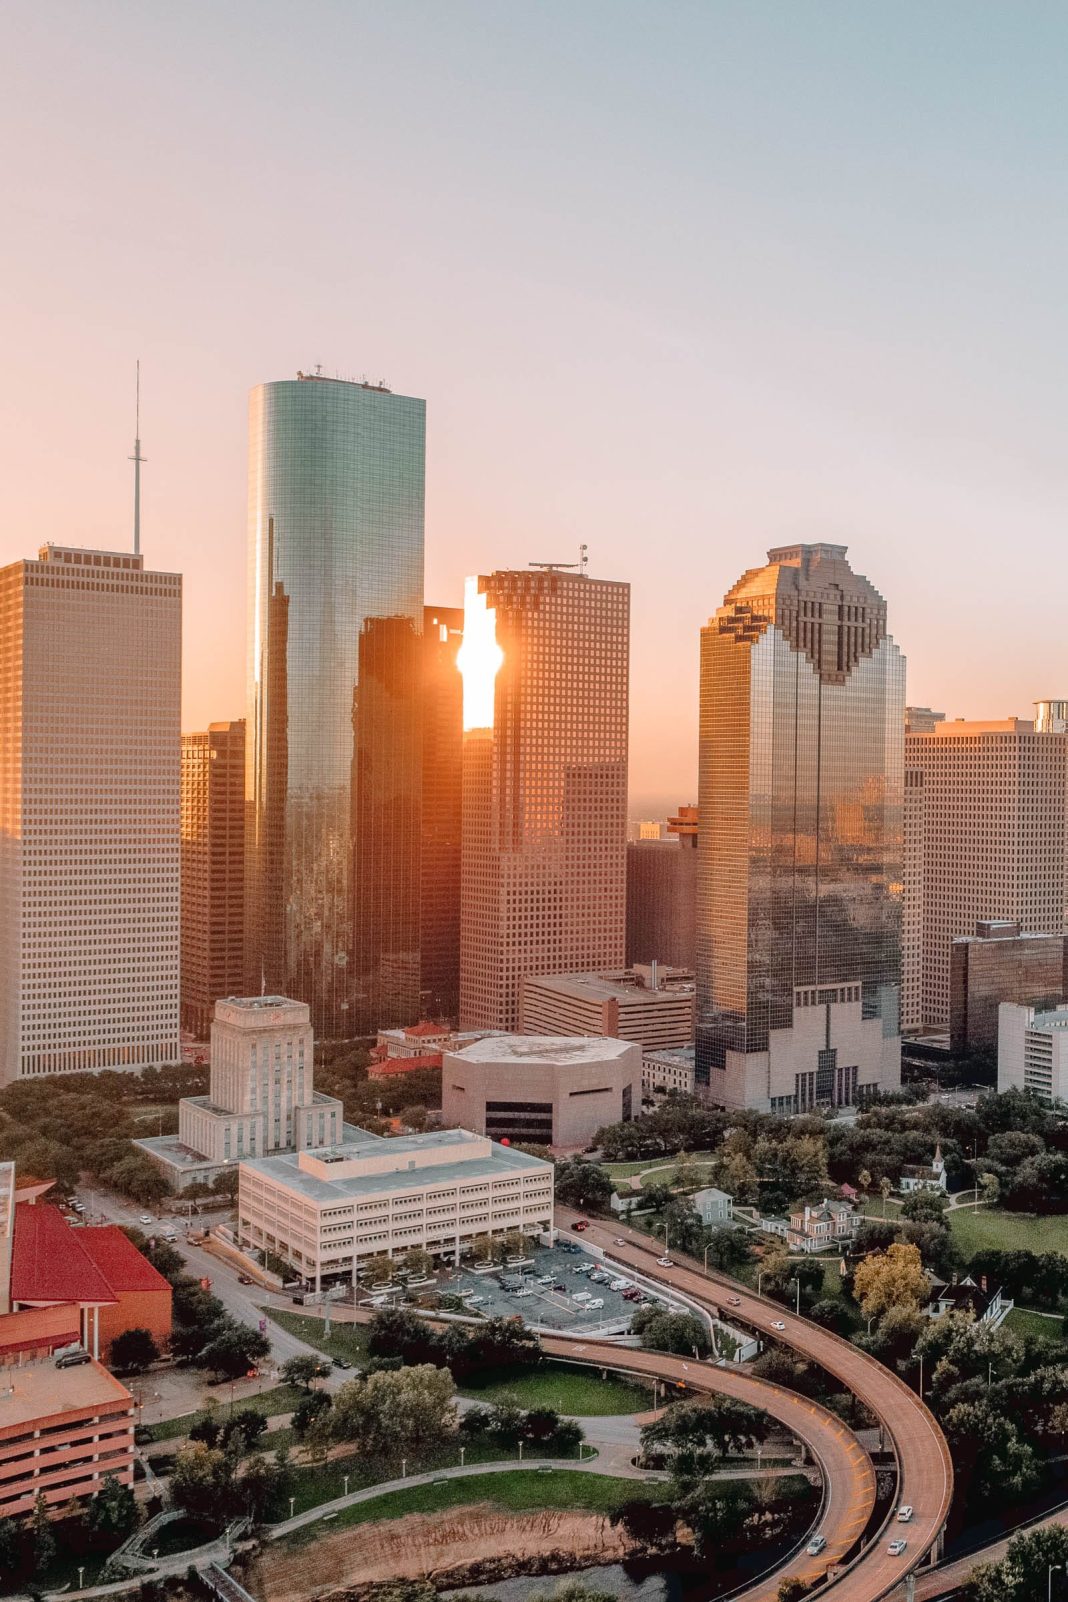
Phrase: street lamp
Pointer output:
(797, 1284)
(521, 1451)
(463, 1453)
(1052, 1569)
(346, 1485)
(292, 1505)
(404, 1468)
(760, 1276)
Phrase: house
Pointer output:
(714, 1206)
(917, 1177)
(985, 1306)
(814, 1229)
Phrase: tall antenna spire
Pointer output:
(137, 459)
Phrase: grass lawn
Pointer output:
(1022, 1322)
(568, 1389)
(348, 1341)
(316, 1483)
(977, 1228)
(279, 1399)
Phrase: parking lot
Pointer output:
(559, 1288)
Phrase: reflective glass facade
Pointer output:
(800, 838)
(336, 475)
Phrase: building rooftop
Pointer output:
(41, 1390)
(49, 1263)
(563, 1051)
(118, 1259)
(260, 1003)
(625, 984)
(285, 1168)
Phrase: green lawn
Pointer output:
(279, 1399)
(1022, 1322)
(568, 1389)
(975, 1229)
(348, 1341)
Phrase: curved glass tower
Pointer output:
(336, 475)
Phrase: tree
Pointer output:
(205, 1429)
(581, 1184)
(302, 1369)
(44, 1541)
(791, 1589)
(885, 1187)
(258, 1487)
(695, 1435)
(234, 1349)
(10, 1546)
(389, 1414)
(991, 1457)
(894, 1278)
(201, 1481)
(241, 1429)
(133, 1351)
(662, 1331)
(651, 1524)
(225, 1184)
(138, 1177)
(113, 1510)
(715, 1511)
(310, 1407)
(864, 1180)
(1023, 1573)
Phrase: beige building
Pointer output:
(666, 1071)
(262, 1096)
(545, 788)
(1033, 1050)
(213, 871)
(327, 1211)
(90, 684)
(984, 839)
(649, 1004)
(542, 1090)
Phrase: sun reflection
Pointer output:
(479, 658)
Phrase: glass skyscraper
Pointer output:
(800, 839)
(336, 478)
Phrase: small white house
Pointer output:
(933, 1178)
(714, 1206)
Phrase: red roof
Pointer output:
(403, 1065)
(118, 1259)
(424, 1028)
(48, 1262)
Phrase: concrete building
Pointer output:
(61, 1431)
(90, 681)
(326, 1212)
(985, 839)
(828, 1225)
(714, 1206)
(334, 776)
(1033, 1050)
(667, 1071)
(653, 1005)
(662, 894)
(543, 1090)
(442, 813)
(800, 839)
(261, 1097)
(545, 784)
(1000, 962)
(418, 1046)
(213, 871)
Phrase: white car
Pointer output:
(665, 1262)
(582, 1297)
(619, 1241)
(146, 1218)
(777, 1323)
(620, 1285)
(546, 1279)
(816, 1545)
(594, 1303)
(904, 1514)
(520, 1293)
(896, 1548)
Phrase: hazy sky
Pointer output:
(681, 280)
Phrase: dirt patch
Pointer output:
(453, 1548)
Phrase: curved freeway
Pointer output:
(925, 1471)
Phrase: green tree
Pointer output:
(583, 1185)
(225, 1184)
(662, 1331)
(234, 1349)
(885, 1186)
(391, 1414)
(133, 1351)
(201, 1481)
(10, 1546)
(1022, 1574)
(42, 1536)
(308, 1409)
(302, 1369)
(258, 1487)
(696, 1435)
(113, 1510)
(651, 1524)
(715, 1510)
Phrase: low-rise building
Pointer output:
(665, 1072)
(61, 1431)
(420, 1046)
(1033, 1050)
(966, 1296)
(546, 1090)
(924, 1176)
(819, 1228)
(650, 1004)
(327, 1211)
(714, 1206)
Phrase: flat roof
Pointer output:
(607, 987)
(561, 1051)
(284, 1169)
(41, 1390)
(261, 1003)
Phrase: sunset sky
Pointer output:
(680, 280)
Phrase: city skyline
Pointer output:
(797, 325)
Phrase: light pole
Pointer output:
(760, 1276)
(1051, 1570)
(81, 1573)
(292, 1505)
(521, 1451)
(706, 1256)
(404, 1468)
(346, 1485)
(463, 1453)
(797, 1287)
(921, 1376)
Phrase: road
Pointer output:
(925, 1472)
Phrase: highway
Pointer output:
(925, 1471)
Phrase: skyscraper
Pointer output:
(662, 895)
(90, 695)
(442, 695)
(336, 474)
(213, 871)
(545, 784)
(800, 839)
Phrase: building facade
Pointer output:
(986, 840)
(662, 895)
(668, 1072)
(800, 839)
(1000, 962)
(328, 1212)
(90, 685)
(333, 773)
(442, 813)
(542, 1090)
(1033, 1050)
(545, 791)
(213, 871)
(652, 1005)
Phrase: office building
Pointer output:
(1033, 1050)
(662, 895)
(442, 813)
(90, 684)
(333, 774)
(545, 784)
(1000, 962)
(328, 1212)
(799, 844)
(544, 1090)
(261, 1097)
(417, 1047)
(652, 1005)
(213, 871)
(985, 821)
(1051, 717)
(668, 1072)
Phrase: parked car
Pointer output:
(816, 1545)
(896, 1548)
(619, 1285)
(73, 1359)
(904, 1514)
(594, 1303)
(520, 1293)
(597, 1278)
(559, 1287)
(342, 1362)
(545, 1279)
(146, 1218)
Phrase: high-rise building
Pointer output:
(662, 895)
(90, 694)
(213, 871)
(545, 785)
(1000, 962)
(333, 772)
(443, 749)
(799, 844)
(985, 839)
